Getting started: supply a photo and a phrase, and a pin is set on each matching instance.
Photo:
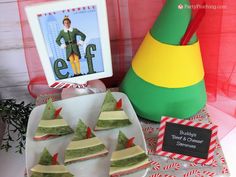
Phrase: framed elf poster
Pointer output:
(72, 40)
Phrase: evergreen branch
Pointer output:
(15, 116)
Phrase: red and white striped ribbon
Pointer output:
(60, 85)
(212, 145)
(176, 166)
(193, 172)
(161, 135)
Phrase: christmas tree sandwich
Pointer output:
(48, 166)
(51, 124)
(85, 145)
(128, 157)
(112, 115)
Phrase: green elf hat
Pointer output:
(49, 166)
(128, 157)
(165, 78)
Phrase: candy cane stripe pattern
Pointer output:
(214, 163)
(148, 130)
(176, 166)
(197, 117)
(225, 170)
(161, 134)
(61, 85)
(166, 175)
(218, 145)
(193, 164)
(193, 173)
(222, 160)
(156, 165)
(209, 174)
(156, 175)
(212, 145)
(151, 141)
(151, 151)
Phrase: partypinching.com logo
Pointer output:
(201, 6)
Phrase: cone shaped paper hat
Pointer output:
(165, 78)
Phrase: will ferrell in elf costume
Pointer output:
(69, 34)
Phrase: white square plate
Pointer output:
(86, 108)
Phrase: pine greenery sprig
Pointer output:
(15, 117)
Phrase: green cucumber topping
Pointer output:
(122, 141)
(81, 132)
(109, 124)
(109, 103)
(69, 154)
(36, 174)
(64, 130)
(129, 161)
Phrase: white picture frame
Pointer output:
(76, 9)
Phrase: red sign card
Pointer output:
(186, 140)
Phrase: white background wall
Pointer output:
(13, 72)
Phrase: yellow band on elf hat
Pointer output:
(168, 65)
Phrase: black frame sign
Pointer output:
(187, 140)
